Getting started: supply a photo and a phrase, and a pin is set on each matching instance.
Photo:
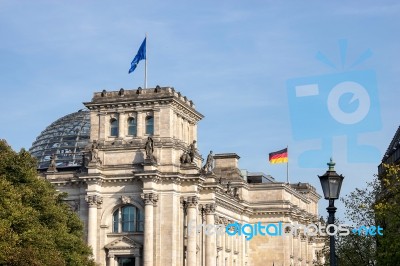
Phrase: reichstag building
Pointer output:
(130, 165)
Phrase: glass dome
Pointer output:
(66, 138)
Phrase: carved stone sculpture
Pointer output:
(53, 165)
(208, 167)
(185, 158)
(94, 153)
(192, 151)
(149, 147)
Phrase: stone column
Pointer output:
(137, 260)
(296, 256)
(140, 124)
(310, 250)
(94, 201)
(102, 127)
(211, 236)
(122, 129)
(192, 237)
(149, 200)
(111, 260)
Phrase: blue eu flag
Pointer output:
(141, 54)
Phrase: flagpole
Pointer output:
(145, 66)
(287, 165)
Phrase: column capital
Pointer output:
(149, 198)
(209, 208)
(94, 200)
(192, 201)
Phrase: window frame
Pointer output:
(123, 224)
(148, 125)
(114, 126)
(131, 126)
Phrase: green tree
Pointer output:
(36, 226)
(359, 249)
(377, 204)
(387, 210)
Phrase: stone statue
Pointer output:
(235, 193)
(192, 151)
(94, 152)
(53, 165)
(229, 188)
(149, 147)
(185, 158)
(209, 163)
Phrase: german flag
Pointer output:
(279, 156)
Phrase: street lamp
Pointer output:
(331, 184)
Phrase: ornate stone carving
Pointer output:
(287, 230)
(209, 208)
(126, 199)
(192, 201)
(149, 198)
(233, 192)
(94, 200)
(220, 220)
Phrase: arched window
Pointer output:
(114, 127)
(127, 219)
(149, 125)
(132, 126)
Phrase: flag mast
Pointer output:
(287, 165)
(145, 66)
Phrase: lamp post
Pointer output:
(331, 184)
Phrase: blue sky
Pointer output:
(232, 58)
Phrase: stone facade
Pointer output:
(142, 193)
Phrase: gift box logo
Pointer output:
(339, 104)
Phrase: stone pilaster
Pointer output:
(210, 238)
(150, 200)
(192, 237)
(94, 202)
(122, 129)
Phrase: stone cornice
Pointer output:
(138, 100)
(228, 204)
(184, 111)
(275, 186)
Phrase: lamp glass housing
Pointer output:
(331, 184)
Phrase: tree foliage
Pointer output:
(377, 204)
(359, 249)
(36, 226)
(387, 210)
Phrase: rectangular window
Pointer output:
(149, 125)
(115, 221)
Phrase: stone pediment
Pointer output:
(123, 243)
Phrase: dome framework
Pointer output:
(66, 139)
